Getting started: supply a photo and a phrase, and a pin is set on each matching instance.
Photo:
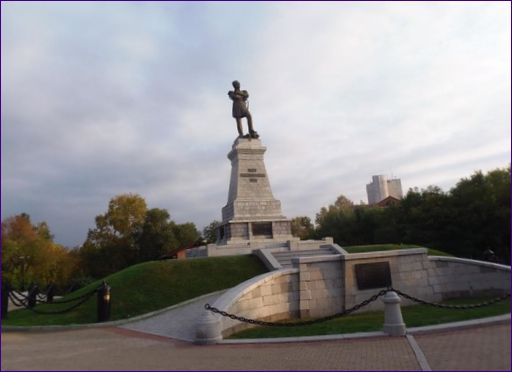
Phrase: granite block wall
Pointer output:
(321, 287)
(324, 285)
(274, 296)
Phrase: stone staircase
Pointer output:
(285, 258)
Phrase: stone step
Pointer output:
(285, 258)
(315, 252)
(321, 249)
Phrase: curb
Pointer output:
(49, 328)
(499, 319)
(277, 340)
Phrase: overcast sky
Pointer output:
(100, 99)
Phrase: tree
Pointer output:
(210, 232)
(129, 233)
(480, 208)
(187, 235)
(342, 203)
(157, 237)
(337, 221)
(29, 254)
(126, 214)
(472, 217)
(111, 246)
(302, 227)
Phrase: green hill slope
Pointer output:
(149, 286)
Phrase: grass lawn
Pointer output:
(390, 247)
(414, 316)
(150, 286)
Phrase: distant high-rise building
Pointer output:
(381, 188)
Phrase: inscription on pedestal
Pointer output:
(252, 175)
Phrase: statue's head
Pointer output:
(236, 84)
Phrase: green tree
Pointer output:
(111, 246)
(156, 237)
(425, 216)
(472, 217)
(342, 203)
(302, 227)
(187, 235)
(480, 208)
(210, 232)
(337, 221)
(126, 213)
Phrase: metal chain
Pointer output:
(456, 307)
(43, 296)
(348, 311)
(23, 302)
(16, 294)
(16, 301)
(83, 300)
(73, 299)
(294, 324)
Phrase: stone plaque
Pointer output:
(261, 175)
(373, 275)
(262, 229)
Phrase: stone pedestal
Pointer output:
(251, 214)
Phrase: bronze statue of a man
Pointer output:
(240, 110)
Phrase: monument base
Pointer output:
(232, 247)
(252, 217)
(241, 231)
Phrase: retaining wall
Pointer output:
(452, 277)
(321, 285)
(271, 296)
(324, 285)
(409, 273)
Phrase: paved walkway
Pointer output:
(476, 348)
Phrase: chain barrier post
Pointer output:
(393, 322)
(50, 292)
(32, 296)
(5, 298)
(103, 304)
(208, 329)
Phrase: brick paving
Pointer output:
(120, 349)
(482, 348)
(475, 349)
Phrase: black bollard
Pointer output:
(32, 296)
(50, 292)
(5, 298)
(103, 302)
